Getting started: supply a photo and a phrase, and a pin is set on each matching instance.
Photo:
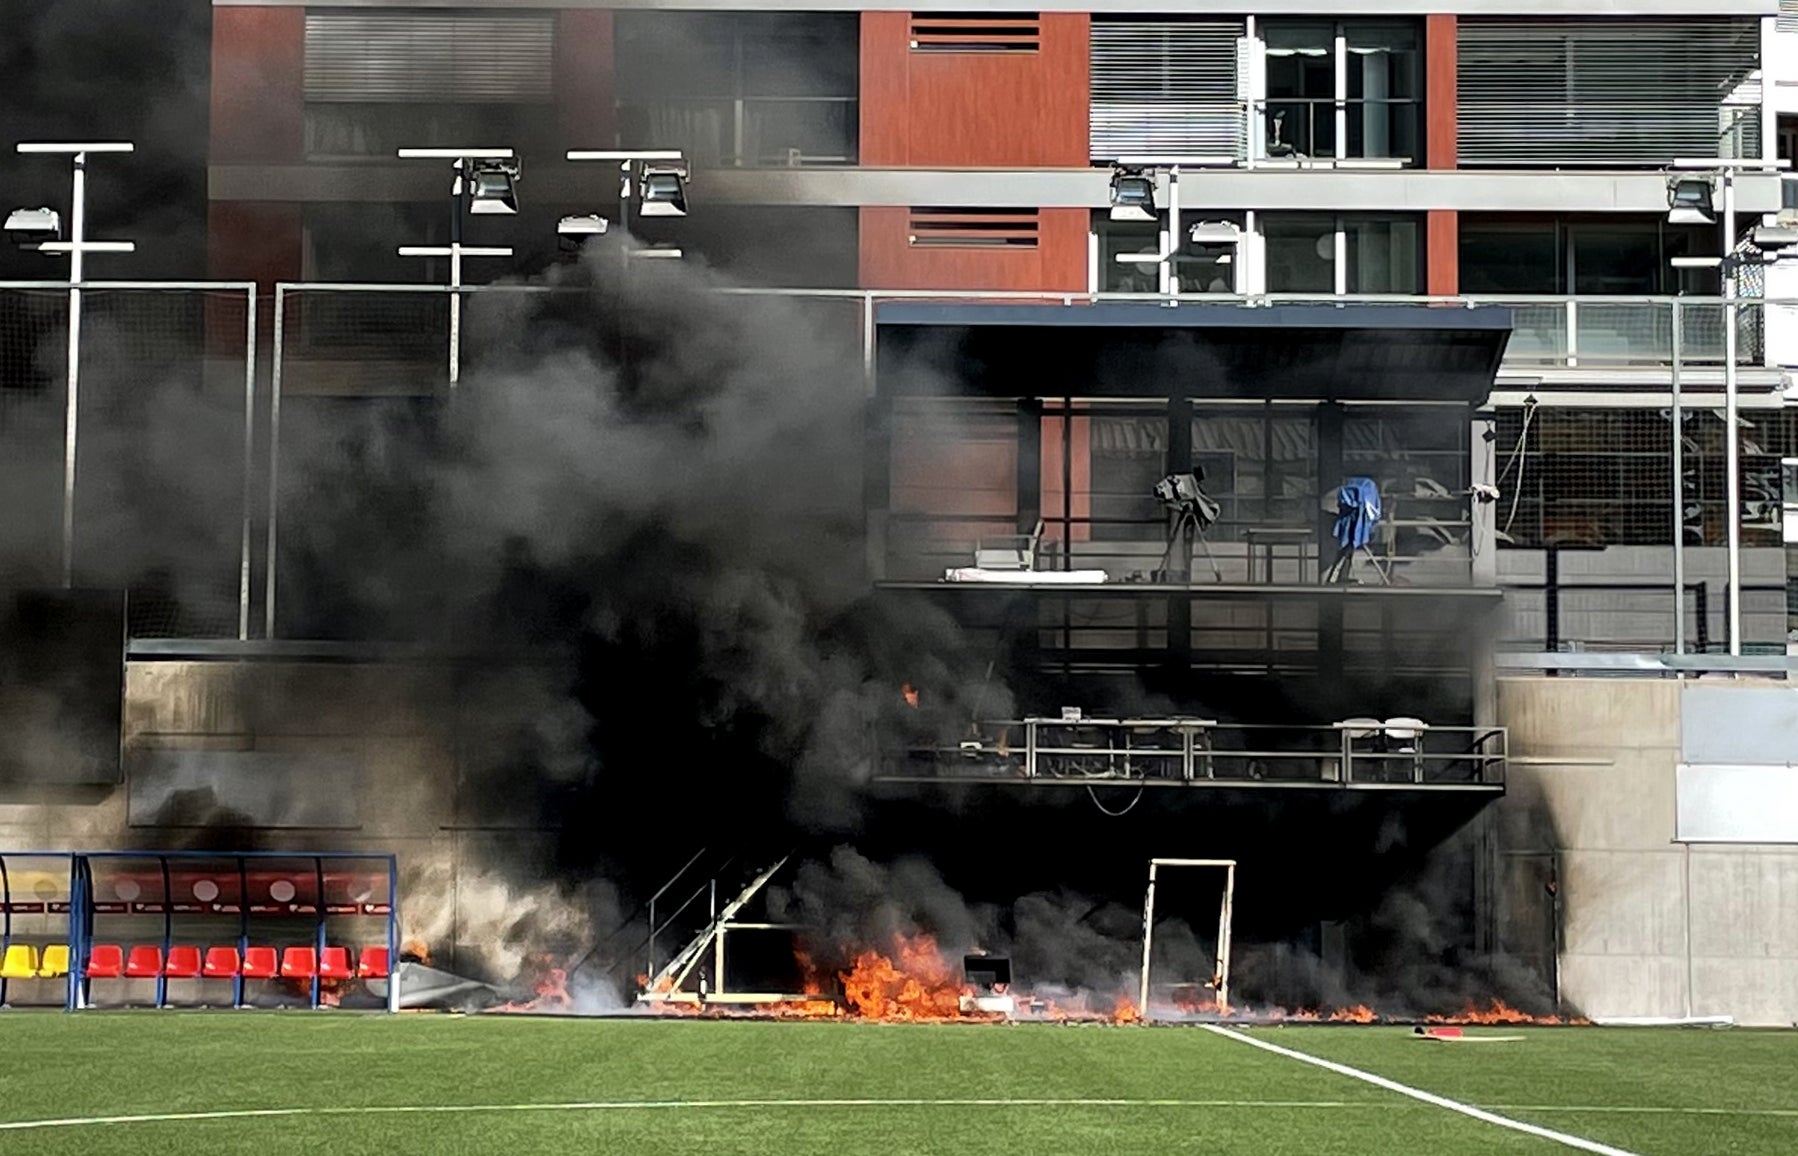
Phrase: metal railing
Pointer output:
(1191, 752)
(160, 424)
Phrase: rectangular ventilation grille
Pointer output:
(426, 56)
(976, 32)
(1166, 87)
(974, 228)
(1605, 91)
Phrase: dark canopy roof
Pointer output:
(1350, 352)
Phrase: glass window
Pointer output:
(741, 88)
(1380, 96)
(1383, 92)
(1383, 255)
(1301, 89)
(1510, 257)
(1128, 237)
(1301, 253)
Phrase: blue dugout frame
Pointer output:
(81, 908)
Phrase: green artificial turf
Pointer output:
(1231, 1098)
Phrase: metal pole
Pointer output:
(1148, 933)
(274, 460)
(249, 455)
(455, 280)
(1679, 488)
(1170, 246)
(1224, 920)
(77, 235)
(1732, 438)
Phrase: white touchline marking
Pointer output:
(639, 1105)
(1419, 1094)
(665, 1105)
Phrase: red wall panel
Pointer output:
(585, 103)
(1442, 252)
(1441, 90)
(985, 109)
(890, 261)
(253, 241)
(258, 85)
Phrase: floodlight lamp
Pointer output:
(29, 228)
(1689, 201)
(664, 191)
(493, 189)
(576, 231)
(1132, 196)
(1774, 238)
(590, 225)
(1214, 233)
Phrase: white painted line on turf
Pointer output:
(1419, 1094)
(664, 1105)
(667, 1105)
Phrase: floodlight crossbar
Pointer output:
(1729, 164)
(453, 250)
(87, 246)
(625, 155)
(456, 154)
(663, 254)
(114, 146)
(1198, 162)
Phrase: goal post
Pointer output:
(1223, 926)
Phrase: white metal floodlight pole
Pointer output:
(1725, 170)
(456, 250)
(77, 246)
(627, 161)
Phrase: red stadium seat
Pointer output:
(184, 962)
(334, 963)
(299, 963)
(372, 963)
(259, 963)
(221, 963)
(105, 961)
(144, 962)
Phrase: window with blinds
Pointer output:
(1606, 92)
(425, 56)
(1787, 21)
(1167, 88)
(974, 228)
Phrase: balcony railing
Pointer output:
(1191, 752)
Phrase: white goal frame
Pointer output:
(1223, 926)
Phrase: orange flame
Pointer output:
(917, 983)
(1497, 1012)
(1359, 1014)
(550, 990)
(1126, 1011)
(911, 695)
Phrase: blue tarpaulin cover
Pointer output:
(1357, 512)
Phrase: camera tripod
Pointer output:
(1187, 527)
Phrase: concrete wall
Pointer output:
(389, 736)
(1648, 927)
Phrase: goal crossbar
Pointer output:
(1222, 977)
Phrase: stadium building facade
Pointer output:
(1440, 233)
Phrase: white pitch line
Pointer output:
(666, 1105)
(1480, 1114)
(639, 1105)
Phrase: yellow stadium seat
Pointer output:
(55, 963)
(20, 962)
